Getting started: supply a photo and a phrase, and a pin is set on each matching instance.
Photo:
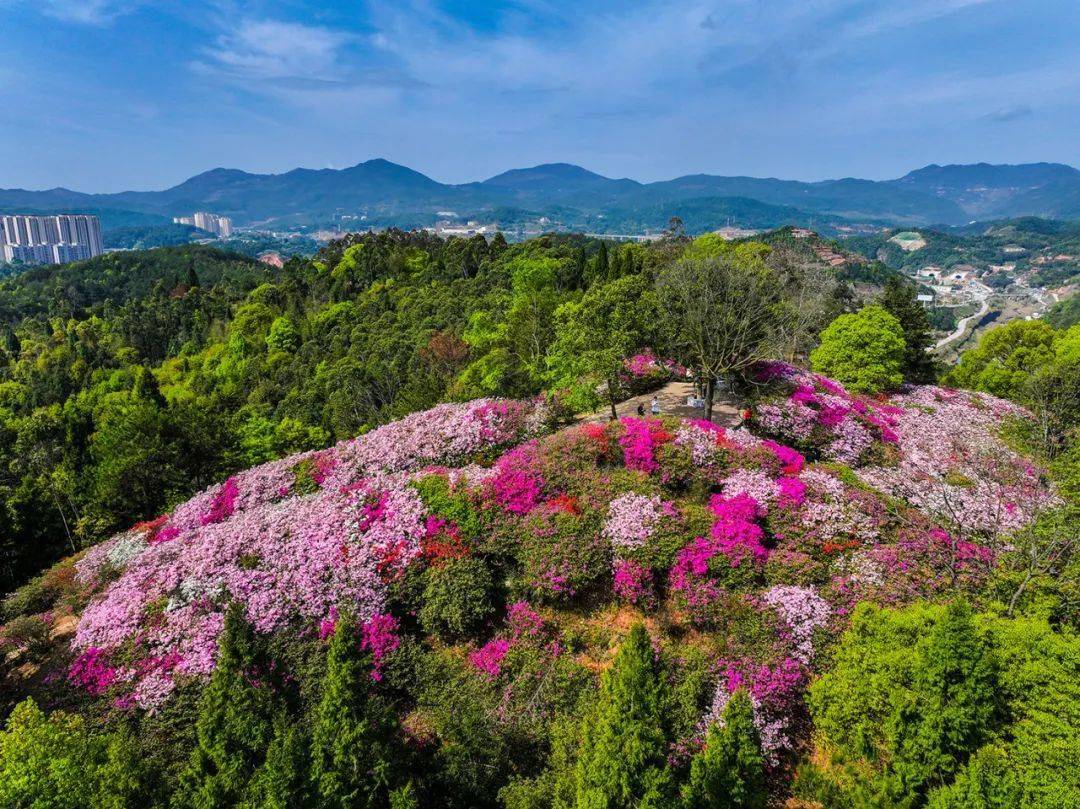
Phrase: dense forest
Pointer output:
(335, 534)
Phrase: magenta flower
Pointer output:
(488, 658)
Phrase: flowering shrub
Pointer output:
(817, 413)
(223, 505)
(562, 553)
(640, 440)
(633, 582)
(735, 538)
(517, 482)
(645, 371)
(284, 555)
(953, 467)
(378, 635)
(91, 672)
(525, 626)
(704, 439)
(775, 691)
(804, 611)
(488, 658)
(632, 518)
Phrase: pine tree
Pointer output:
(953, 709)
(729, 773)
(350, 751)
(900, 300)
(192, 277)
(281, 782)
(601, 272)
(123, 780)
(146, 387)
(622, 761)
(234, 725)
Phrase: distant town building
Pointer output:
(54, 239)
(220, 226)
(730, 233)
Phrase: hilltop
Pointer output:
(472, 541)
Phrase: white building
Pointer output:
(220, 226)
(53, 239)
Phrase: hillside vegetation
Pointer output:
(865, 594)
(133, 380)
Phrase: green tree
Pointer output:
(235, 722)
(283, 336)
(134, 459)
(282, 780)
(1006, 358)
(899, 299)
(724, 313)
(988, 781)
(955, 705)
(47, 761)
(123, 780)
(730, 771)
(350, 754)
(864, 351)
(622, 761)
(594, 336)
(911, 695)
(457, 597)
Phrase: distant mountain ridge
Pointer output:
(390, 194)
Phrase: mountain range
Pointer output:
(385, 193)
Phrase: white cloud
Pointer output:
(273, 50)
(87, 12)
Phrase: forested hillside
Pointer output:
(135, 379)
(334, 535)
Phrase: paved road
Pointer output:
(672, 398)
(961, 327)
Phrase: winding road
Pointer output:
(961, 327)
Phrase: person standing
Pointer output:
(655, 406)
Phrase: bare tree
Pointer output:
(723, 314)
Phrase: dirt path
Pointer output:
(672, 398)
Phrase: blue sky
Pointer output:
(105, 95)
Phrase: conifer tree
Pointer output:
(123, 780)
(350, 750)
(900, 300)
(234, 725)
(601, 273)
(729, 773)
(622, 761)
(282, 781)
(146, 387)
(954, 708)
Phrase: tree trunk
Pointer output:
(611, 399)
(710, 391)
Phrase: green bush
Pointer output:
(27, 632)
(457, 597)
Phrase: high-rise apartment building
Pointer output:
(54, 239)
(220, 226)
